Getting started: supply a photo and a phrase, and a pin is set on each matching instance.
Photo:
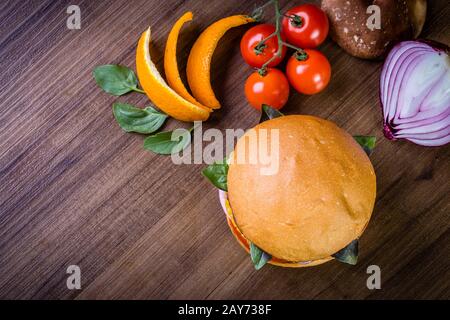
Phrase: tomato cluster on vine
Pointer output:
(302, 28)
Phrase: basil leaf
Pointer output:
(116, 80)
(168, 142)
(267, 113)
(217, 173)
(138, 120)
(349, 254)
(259, 257)
(367, 143)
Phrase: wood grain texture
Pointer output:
(75, 189)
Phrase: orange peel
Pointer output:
(159, 92)
(199, 61)
(170, 60)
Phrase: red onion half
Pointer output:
(415, 93)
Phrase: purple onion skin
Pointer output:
(438, 46)
(389, 130)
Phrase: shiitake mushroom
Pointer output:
(400, 20)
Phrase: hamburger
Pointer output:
(313, 208)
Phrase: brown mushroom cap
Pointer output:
(400, 20)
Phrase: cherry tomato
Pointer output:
(271, 89)
(309, 76)
(306, 27)
(256, 57)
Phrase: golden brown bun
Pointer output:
(246, 245)
(320, 199)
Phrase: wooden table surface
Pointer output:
(77, 190)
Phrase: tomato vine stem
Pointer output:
(260, 46)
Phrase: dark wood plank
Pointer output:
(75, 189)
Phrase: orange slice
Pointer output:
(170, 60)
(199, 61)
(159, 92)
